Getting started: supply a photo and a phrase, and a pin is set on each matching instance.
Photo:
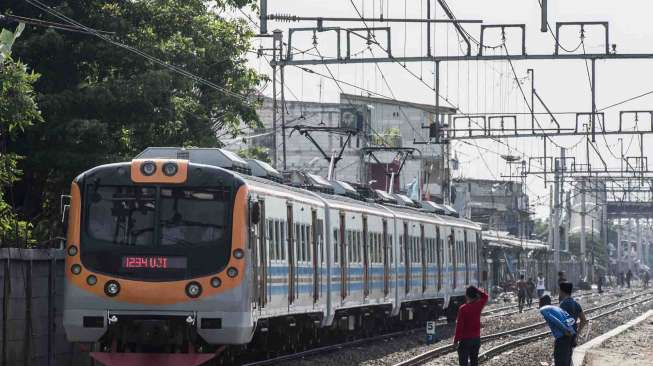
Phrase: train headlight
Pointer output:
(193, 289)
(239, 254)
(91, 280)
(216, 282)
(148, 168)
(170, 169)
(232, 272)
(112, 288)
(72, 250)
(76, 269)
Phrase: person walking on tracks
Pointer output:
(522, 288)
(467, 338)
(629, 276)
(530, 291)
(540, 285)
(573, 308)
(562, 328)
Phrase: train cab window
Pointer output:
(193, 216)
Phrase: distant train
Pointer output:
(181, 251)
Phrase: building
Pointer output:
(498, 205)
(395, 126)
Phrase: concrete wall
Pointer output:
(31, 306)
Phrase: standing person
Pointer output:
(629, 276)
(599, 282)
(521, 292)
(467, 338)
(562, 328)
(621, 279)
(573, 308)
(540, 285)
(530, 291)
(647, 277)
(561, 277)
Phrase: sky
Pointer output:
(489, 87)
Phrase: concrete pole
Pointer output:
(556, 216)
(640, 255)
(583, 243)
(619, 248)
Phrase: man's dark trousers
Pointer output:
(468, 352)
(562, 351)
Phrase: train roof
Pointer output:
(265, 178)
(503, 240)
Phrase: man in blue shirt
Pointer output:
(562, 328)
(573, 308)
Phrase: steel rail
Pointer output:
(436, 352)
(525, 340)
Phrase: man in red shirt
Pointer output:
(468, 326)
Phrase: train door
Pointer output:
(292, 260)
(453, 258)
(406, 255)
(423, 252)
(438, 250)
(466, 250)
(343, 258)
(316, 253)
(262, 252)
(366, 260)
(386, 259)
(254, 246)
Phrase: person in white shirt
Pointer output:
(540, 285)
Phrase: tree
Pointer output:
(104, 103)
(18, 113)
(256, 152)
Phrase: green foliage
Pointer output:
(18, 112)
(541, 229)
(594, 247)
(391, 137)
(256, 152)
(103, 103)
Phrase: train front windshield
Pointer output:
(156, 232)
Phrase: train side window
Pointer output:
(320, 239)
(336, 251)
(269, 240)
(349, 245)
(280, 227)
(401, 248)
(391, 245)
(309, 240)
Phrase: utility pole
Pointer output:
(557, 210)
(619, 247)
(583, 244)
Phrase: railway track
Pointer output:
(532, 338)
(491, 313)
(437, 352)
(333, 348)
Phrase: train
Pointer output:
(179, 253)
